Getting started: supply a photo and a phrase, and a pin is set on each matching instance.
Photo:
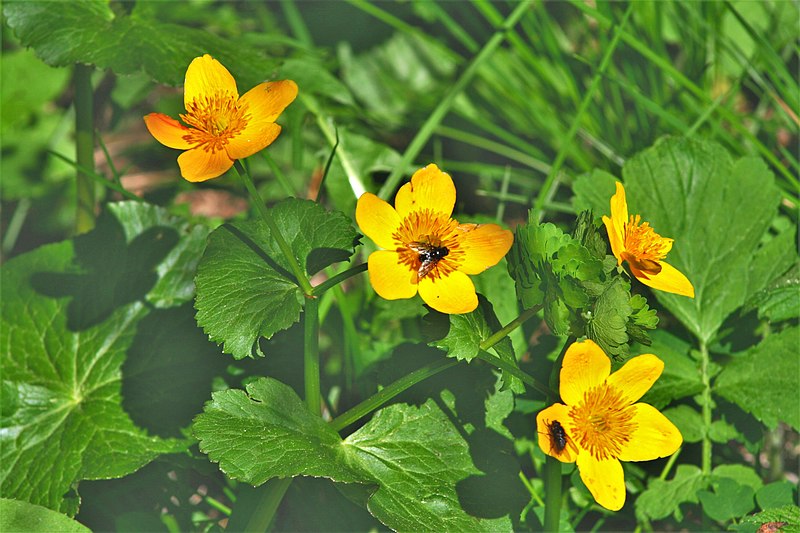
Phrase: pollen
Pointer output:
(216, 120)
(602, 422)
(642, 242)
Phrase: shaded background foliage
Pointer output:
(561, 107)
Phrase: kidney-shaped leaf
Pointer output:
(245, 288)
(413, 454)
(62, 420)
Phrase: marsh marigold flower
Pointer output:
(222, 127)
(643, 249)
(599, 424)
(424, 250)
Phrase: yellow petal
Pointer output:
(168, 131)
(636, 376)
(615, 238)
(429, 188)
(484, 245)
(669, 279)
(619, 207)
(390, 278)
(453, 294)
(560, 413)
(207, 77)
(264, 103)
(252, 140)
(378, 220)
(604, 479)
(585, 366)
(200, 164)
(655, 436)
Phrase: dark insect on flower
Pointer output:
(429, 256)
(558, 437)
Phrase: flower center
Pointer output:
(216, 120)
(428, 244)
(643, 246)
(602, 422)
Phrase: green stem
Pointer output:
(552, 494)
(84, 147)
(552, 467)
(302, 280)
(705, 361)
(311, 354)
(506, 330)
(545, 192)
(389, 392)
(338, 278)
(256, 507)
(443, 108)
(514, 371)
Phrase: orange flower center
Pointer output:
(643, 246)
(428, 244)
(216, 120)
(602, 422)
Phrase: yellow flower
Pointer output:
(643, 249)
(424, 250)
(222, 126)
(601, 424)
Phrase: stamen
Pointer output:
(643, 242)
(602, 422)
(215, 119)
(428, 229)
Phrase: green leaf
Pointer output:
(23, 516)
(663, 498)
(780, 300)
(729, 500)
(759, 380)
(776, 494)
(593, 191)
(90, 32)
(687, 190)
(786, 519)
(688, 421)
(269, 432)
(681, 376)
(466, 332)
(69, 314)
(742, 474)
(175, 272)
(418, 458)
(414, 454)
(608, 324)
(244, 286)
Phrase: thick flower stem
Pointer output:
(706, 406)
(552, 494)
(302, 279)
(338, 278)
(446, 103)
(84, 147)
(389, 392)
(311, 355)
